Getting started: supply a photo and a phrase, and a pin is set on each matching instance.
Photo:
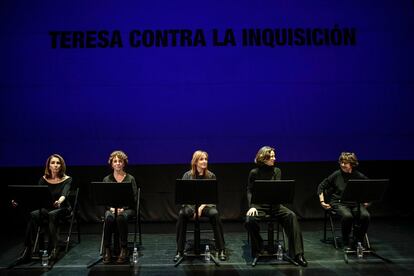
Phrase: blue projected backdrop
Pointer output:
(160, 79)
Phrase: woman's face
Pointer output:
(118, 164)
(271, 160)
(202, 162)
(54, 165)
(345, 166)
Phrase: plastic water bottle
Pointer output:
(207, 255)
(360, 251)
(135, 256)
(279, 252)
(45, 258)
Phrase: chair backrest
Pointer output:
(138, 201)
(73, 198)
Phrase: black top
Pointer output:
(209, 175)
(334, 185)
(58, 190)
(263, 172)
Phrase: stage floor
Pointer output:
(391, 238)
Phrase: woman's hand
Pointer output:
(200, 210)
(14, 204)
(252, 212)
(59, 202)
(325, 206)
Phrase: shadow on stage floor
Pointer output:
(391, 238)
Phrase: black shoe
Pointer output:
(222, 255)
(300, 259)
(178, 256)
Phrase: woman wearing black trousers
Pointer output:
(199, 170)
(265, 160)
(48, 218)
(118, 160)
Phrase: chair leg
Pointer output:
(139, 229)
(78, 228)
(367, 241)
(283, 238)
(36, 244)
(270, 236)
(325, 222)
(69, 233)
(102, 239)
(333, 232)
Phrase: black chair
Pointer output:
(270, 242)
(67, 221)
(272, 192)
(205, 230)
(269, 222)
(136, 220)
(331, 217)
(72, 218)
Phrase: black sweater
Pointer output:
(58, 190)
(334, 185)
(263, 172)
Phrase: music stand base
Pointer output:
(365, 252)
(95, 262)
(286, 258)
(195, 256)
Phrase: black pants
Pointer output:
(289, 222)
(186, 213)
(49, 221)
(118, 226)
(349, 216)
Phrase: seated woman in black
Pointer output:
(118, 160)
(199, 171)
(265, 159)
(59, 186)
(334, 186)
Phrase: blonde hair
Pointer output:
(263, 155)
(120, 154)
(62, 172)
(196, 156)
(348, 157)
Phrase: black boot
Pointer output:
(107, 256)
(178, 256)
(222, 255)
(300, 259)
(123, 256)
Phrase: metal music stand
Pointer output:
(31, 197)
(114, 194)
(361, 191)
(273, 192)
(196, 192)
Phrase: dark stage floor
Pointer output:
(391, 238)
